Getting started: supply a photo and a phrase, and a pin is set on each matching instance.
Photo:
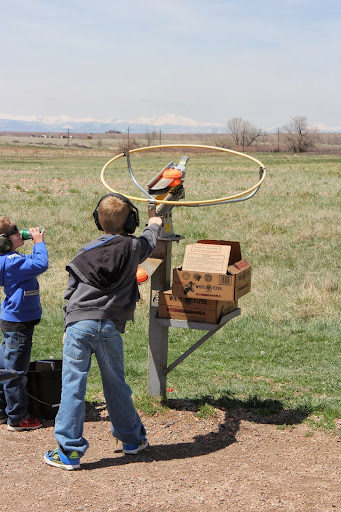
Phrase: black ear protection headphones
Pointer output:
(133, 217)
(5, 244)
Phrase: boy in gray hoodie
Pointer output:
(101, 297)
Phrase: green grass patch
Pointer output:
(281, 358)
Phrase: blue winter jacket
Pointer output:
(18, 274)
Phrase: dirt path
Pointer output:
(226, 463)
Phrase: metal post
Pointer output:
(158, 334)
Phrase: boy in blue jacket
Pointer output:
(20, 312)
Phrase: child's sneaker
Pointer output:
(133, 449)
(59, 459)
(3, 420)
(29, 424)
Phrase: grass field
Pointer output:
(283, 352)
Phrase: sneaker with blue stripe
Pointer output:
(59, 459)
(133, 449)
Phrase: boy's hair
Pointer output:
(5, 225)
(112, 214)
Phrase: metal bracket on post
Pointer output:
(167, 232)
(211, 328)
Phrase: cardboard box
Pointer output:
(193, 310)
(208, 284)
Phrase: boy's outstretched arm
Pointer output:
(148, 239)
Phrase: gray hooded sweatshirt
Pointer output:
(102, 277)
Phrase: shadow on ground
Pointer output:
(254, 410)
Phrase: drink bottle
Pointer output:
(26, 235)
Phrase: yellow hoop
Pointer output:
(187, 203)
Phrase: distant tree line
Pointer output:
(298, 135)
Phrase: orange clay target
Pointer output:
(141, 275)
(175, 182)
(241, 196)
(172, 174)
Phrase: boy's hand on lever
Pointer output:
(153, 218)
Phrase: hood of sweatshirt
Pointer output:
(102, 264)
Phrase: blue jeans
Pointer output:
(15, 353)
(82, 339)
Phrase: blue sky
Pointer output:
(206, 61)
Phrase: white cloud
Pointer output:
(169, 119)
(325, 128)
(68, 119)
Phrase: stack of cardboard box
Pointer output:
(208, 285)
